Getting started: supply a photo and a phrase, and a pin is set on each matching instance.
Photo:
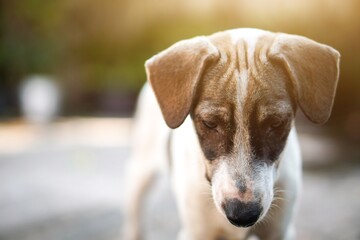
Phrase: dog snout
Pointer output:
(242, 214)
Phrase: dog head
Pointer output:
(242, 89)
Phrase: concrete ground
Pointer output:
(65, 182)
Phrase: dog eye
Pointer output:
(276, 123)
(209, 124)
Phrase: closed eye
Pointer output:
(276, 123)
(210, 124)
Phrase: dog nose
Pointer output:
(242, 214)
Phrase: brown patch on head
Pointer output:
(242, 123)
(243, 106)
(215, 103)
(269, 105)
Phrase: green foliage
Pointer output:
(104, 44)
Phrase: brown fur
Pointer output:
(242, 100)
(217, 99)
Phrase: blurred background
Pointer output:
(70, 72)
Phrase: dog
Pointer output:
(219, 112)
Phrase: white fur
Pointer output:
(250, 36)
(191, 189)
(201, 216)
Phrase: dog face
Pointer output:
(242, 88)
(243, 116)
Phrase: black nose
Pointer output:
(242, 214)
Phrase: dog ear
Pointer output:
(175, 73)
(314, 71)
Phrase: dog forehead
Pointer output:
(243, 67)
(250, 37)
